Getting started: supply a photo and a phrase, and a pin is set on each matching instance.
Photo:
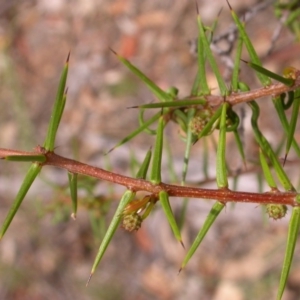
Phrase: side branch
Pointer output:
(272, 90)
(222, 195)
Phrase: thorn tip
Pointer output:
(219, 13)
(110, 150)
(89, 279)
(113, 51)
(197, 7)
(229, 5)
(182, 244)
(68, 57)
(284, 160)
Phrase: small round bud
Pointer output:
(201, 118)
(290, 72)
(132, 222)
(197, 125)
(276, 211)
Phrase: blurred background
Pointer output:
(47, 255)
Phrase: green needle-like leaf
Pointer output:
(137, 131)
(180, 118)
(27, 182)
(73, 191)
(155, 176)
(236, 68)
(127, 197)
(292, 127)
(31, 158)
(208, 127)
(142, 121)
(157, 91)
(284, 122)
(196, 88)
(211, 59)
(201, 85)
(265, 146)
(222, 181)
(165, 203)
(188, 146)
(265, 80)
(213, 214)
(266, 170)
(182, 115)
(145, 165)
(61, 108)
(289, 253)
(240, 147)
(170, 162)
(205, 159)
(177, 103)
(261, 70)
(57, 110)
(214, 26)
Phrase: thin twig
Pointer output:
(274, 89)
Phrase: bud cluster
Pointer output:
(200, 119)
(276, 211)
(136, 212)
(132, 222)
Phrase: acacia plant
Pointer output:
(198, 116)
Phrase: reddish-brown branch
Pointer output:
(223, 195)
